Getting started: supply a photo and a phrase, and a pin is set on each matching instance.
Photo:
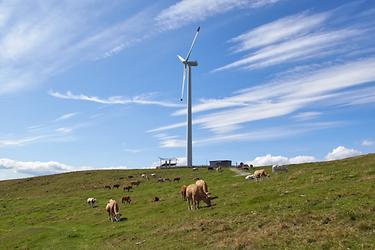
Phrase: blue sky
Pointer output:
(96, 84)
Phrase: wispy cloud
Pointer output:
(279, 30)
(142, 100)
(309, 46)
(189, 11)
(133, 151)
(299, 37)
(37, 44)
(270, 133)
(66, 116)
(304, 116)
(43, 135)
(21, 141)
(281, 97)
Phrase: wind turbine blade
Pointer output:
(192, 44)
(183, 83)
(181, 58)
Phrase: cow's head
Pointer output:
(117, 217)
(207, 199)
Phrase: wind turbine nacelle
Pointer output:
(192, 63)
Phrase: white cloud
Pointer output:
(40, 43)
(341, 152)
(64, 130)
(66, 116)
(172, 143)
(281, 160)
(269, 160)
(304, 116)
(279, 30)
(281, 97)
(142, 100)
(367, 143)
(181, 161)
(300, 37)
(265, 134)
(133, 151)
(189, 11)
(45, 168)
(308, 46)
(302, 159)
(41, 133)
(21, 141)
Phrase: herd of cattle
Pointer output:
(192, 194)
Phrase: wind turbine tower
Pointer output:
(187, 67)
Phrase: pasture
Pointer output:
(327, 205)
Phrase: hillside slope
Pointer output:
(313, 206)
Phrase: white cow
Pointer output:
(91, 201)
(250, 177)
(279, 168)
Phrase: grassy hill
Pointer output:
(313, 206)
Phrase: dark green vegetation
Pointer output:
(328, 205)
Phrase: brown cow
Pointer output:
(194, 195)
(260, 173)
(107, 186)
(113, 210)
(183, 192)
(135, 183)
(177, 179)
(202, 184)
(126, 199)
(128, 188)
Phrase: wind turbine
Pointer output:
(187, 67)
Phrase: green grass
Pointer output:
(328, 205)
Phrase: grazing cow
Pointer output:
(279, 168)
(130, 176)
(135, 183)
(113, 210)
(161, 180)
(260, 173)
(107, 186)
(194, 195)
(219, 169)
(91, 201)
(128, 188)
(143, 175)
(183, 192)
(203, 185)
(177, 179)
(250, 177)
(156, 199)
(116, 186)
(167, 179)
(153, 175)
(210, 168)
(126, 199)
